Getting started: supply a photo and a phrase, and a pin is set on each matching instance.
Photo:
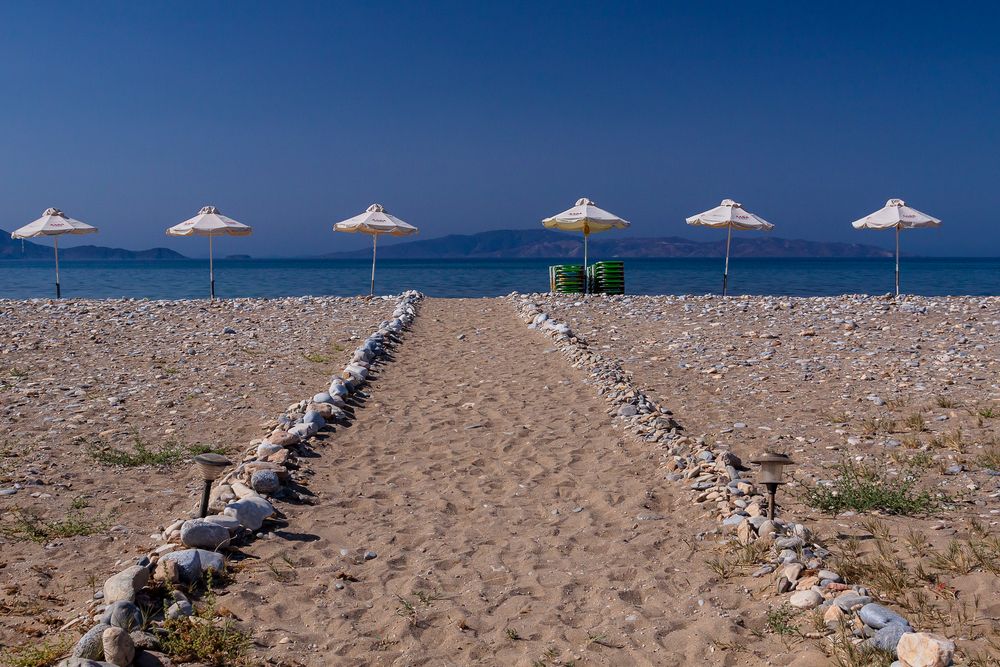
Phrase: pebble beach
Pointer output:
(537, 479)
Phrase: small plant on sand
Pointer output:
(865, 488)
(45, 654)
(989, 412)
(946, 403)
(512, 634)
(406, 610)
(722, 566)
(916, 423)
(872, 426)
(990, 458)
(315, 358)
(29, 526)
(846, 651)
(205, 637)
(142, 454)
(836, 417)
(205, 448)
(779, 620)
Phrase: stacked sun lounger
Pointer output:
(566, 278)
(606, 277)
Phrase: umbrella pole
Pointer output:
(897, 260)
(211, 269)
(374, 243)
(58, 289)
(586, 234)
(725, 271)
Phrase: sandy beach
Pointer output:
(485, 505)
(83, 382)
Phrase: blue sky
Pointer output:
(465, 116)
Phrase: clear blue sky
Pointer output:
(468, 116)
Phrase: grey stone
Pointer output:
(311, 416)
(628, 411)
(849, 601)
(201, 534)
(123, 614)
(807, 599)
(227, 522)
(179, 609)
(734, 520)
(323, 397)
(369, 555)
(828, 574)
(265, 482)
(887, 637)
(151, 659)
(125, 584)
(90, 646)
(876, 616)
(250, 511)
(192, 564)
(83, 662)
(143, 640)
(789, 542)
(265, 449)
(118, 647)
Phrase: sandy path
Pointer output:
(499, 499)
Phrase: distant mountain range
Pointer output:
(505, 244)
(515, 243)
(13, 249)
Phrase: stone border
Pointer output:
(239, 503)
(716, 478)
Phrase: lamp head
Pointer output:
(772, 467)
(211, 465)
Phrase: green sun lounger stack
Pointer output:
(566, 278)
(606, 277)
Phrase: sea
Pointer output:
(235, 278)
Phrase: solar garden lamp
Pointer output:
(772, 470)
(210, 466)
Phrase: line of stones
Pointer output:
(715, 475)
(240, 503)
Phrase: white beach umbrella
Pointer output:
(209, 222)
(896, 215)
(53, 223)
(585, 217)
(729, 215)
(375, 221)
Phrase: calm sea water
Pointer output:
(451, 278)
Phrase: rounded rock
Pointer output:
(118, 647)
(265, 482)
(807, 599)
(123, 614)
(201, 534)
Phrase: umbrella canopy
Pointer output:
(729, 215)
(209, 222)
(375, 221)
(53, 223)
(896, 215)
(585, 217)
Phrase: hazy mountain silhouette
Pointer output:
(515, 243)
(13, 249)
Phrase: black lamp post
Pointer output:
(210, 466)
(772, 468)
